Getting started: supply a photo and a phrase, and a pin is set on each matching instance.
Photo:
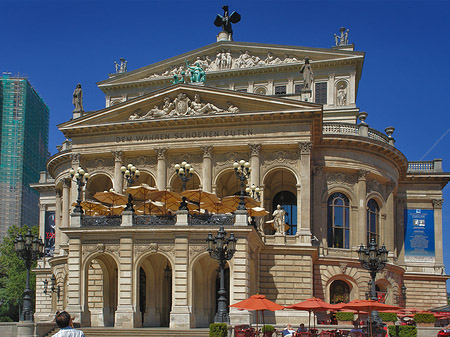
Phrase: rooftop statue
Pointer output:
(308, 75)
(226, 20)
(77, 99)
(197, 73)
(343, 39)
(122, 67)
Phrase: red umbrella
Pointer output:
(369, 306)
(258, 303)
(312, 305)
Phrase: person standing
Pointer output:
(65, 323)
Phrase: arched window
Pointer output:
(373, 220)
(338, 221)
(339, 292)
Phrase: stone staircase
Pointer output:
(140, 332)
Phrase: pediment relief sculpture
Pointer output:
(182, 106)
(226, 59)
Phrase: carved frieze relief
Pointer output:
(338, 178)
(227, 59)
(153, 247)
(195, 250)
(374, 185)
(181, 106)
(226, 160)
(100, 248)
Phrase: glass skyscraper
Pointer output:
(24, 123)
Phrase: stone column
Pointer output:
(74, 188)
(239, 282)
(207, 168)
(305, 191)
(42, 209)
(124, 316)
(161, 171)
(75, 292)
(118, 177)
(58, 234)
(290, 89)
(255, 164)
(438, 248)
(180, 317)
(251, 86)
(270, 90)
(389, 223)
(331, 92)
(351, 93)
(361, 191)
(65, 202)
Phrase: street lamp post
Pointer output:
(184, 171)
(81, 179)
(253, 191)
(242, 170)
(131, 174)
(222, 249)
(29, 250)
(374, 260)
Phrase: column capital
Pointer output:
(254, 149)
(75, 157)
(362, 174)
(42, 207)
(207, 151)
(118, 155)
(67, 182)
(437, 203)
(161, 153)
(305, 147)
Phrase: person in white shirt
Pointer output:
(65, 323)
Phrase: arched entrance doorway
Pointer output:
(339, 292)
(154, 295)
(100, 296)
(205, 284)
(280, 188)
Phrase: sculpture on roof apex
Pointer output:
(343, 39)
(77, 99)
(226, 20)
(122, 67)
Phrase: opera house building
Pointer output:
(291, 113)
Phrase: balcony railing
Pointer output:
(359, 130)
(425, 166)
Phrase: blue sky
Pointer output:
(406, 74)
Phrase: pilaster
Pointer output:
(58, 234)
(124, 316)
(181, 314)
(65, 202)
(389, 225)
(362, 209)
(305, 191)
(75, 293)
(401, 206)
(75, 157)
(438, 248)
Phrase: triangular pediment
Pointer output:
(232, 57)
(183, 104)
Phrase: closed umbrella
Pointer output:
(257, 303)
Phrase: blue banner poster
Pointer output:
(419, 235)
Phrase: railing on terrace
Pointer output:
(101, 220)
(425, 166)
(154, 220)
(211, 219)
(158, 220)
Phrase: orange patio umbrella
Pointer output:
(312, 305)
(369, 306)
(257, 303)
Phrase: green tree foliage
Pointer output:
(13, 274)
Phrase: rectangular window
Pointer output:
(321, 92)
(298, 88)
(280, 90)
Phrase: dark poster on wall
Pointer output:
(419, 235)
(49, 232)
